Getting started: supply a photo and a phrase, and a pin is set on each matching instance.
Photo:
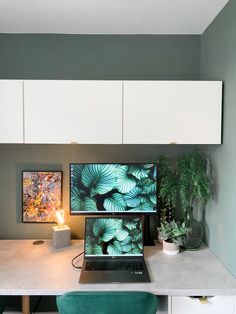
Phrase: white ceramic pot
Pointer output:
(170, 248)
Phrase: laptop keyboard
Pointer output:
(114, 266)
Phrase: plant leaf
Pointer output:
(100, 178)
(138, 237)
(114, 248)
(138, 171)
(125, 182)
(130, 224)
(121, 234)
(76, 198)
(76, 170)
(115, 203)
(89, 204)
(81, 203)
(126, 247)
(105, 229)
(97, 250)
(152, 193)
(148, 166)
(131, 199)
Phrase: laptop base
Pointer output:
(107, 276)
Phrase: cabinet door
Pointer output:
(164, 112)
(11, 111)
(87, 112)
(214, 305)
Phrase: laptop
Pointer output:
(113, 251)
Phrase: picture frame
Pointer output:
(41, 195)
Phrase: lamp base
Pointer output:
(61, 236)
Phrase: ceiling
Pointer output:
(108, 16)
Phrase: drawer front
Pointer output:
(213, 305)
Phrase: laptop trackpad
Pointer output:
(90, 277)
(113, 276)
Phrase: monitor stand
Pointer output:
(147, 237)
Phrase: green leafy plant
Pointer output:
(173, 232)
(168, 188)
(194, 181)
(167, 181)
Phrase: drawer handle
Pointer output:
(203, 300)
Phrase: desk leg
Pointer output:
(25, 304)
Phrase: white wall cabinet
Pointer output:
(164, 112)
(84, 112)
(214, 305)
(110, 112)
(11, 111)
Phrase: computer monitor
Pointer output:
(118, 188)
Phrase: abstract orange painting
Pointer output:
(41, 195)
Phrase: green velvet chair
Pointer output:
(107, 303)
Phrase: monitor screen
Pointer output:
(113, 237)
(113, 188)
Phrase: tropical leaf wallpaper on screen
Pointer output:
(113, 188)
(113, 236)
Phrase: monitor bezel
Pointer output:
(98, 213)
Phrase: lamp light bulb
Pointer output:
(60, 214)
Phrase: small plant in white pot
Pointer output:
(173, 235)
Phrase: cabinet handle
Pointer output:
(73, 143)
(172, 143)
(203, 300)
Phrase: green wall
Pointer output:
(99, 57)
(218, 62)
(15, 158)
(83, 57)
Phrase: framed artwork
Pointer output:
(41, 195)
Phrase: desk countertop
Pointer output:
(26, 269)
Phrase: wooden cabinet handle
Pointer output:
(203, 300)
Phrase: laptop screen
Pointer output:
(113, 237)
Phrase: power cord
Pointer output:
(72, 262)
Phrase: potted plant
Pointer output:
(167, 181)
(173, 236)
(194, 191)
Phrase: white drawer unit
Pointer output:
(210, 305)
(178, 112)
(83, 112)
(11, 111)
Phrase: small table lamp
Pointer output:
(60, 233)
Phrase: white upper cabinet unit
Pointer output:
(11, 111)
(164, 112)
(83, 112)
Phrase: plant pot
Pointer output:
(195, 235)
(170, 248)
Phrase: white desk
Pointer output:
(27, 270)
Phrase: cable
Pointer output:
(72, 262)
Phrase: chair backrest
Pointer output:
(107, 303)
